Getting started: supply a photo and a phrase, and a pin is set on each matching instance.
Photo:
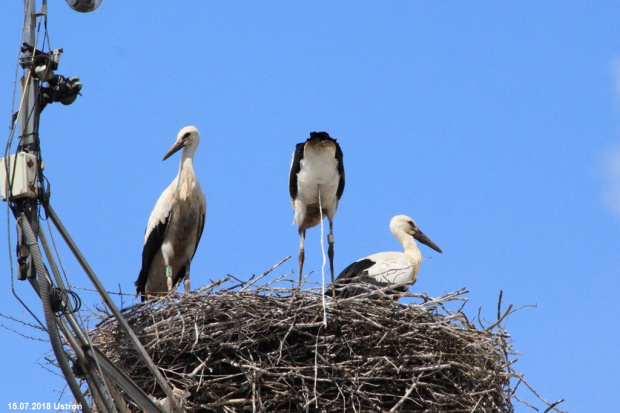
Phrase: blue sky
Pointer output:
(495, 126)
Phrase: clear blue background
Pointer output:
(494, 125)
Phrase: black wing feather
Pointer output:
(350, 281)
(380, 285)
(295, 168)
(200, 229)
(151, 247)
(181, 274)
(340, 170)
(351, 274)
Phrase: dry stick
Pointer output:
(499, 304)
(500, 319)
(540, 397)
(214, 284)
(508, 312)
(477, 404)
(525, 403)
(253, 375)
(282, 341)
(402, 400)
(275, 280)
(553, 406)
(265, 273)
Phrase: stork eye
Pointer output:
(186, 136)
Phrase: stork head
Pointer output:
(402, 223)
(188, 138)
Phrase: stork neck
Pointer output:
(186, 177)
(410, 246)
(186, 165)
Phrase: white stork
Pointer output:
(316, 168)
(387, 268)
(175, 225)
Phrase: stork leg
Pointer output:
(186, 281)
(330, 253)
(169, 277)
(302, 236)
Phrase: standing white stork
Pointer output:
(316, 170)
(386, 268)
(175, 225)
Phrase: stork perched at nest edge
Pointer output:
(386, 268)
(175, 225)
(316, 172)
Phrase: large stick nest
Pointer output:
(268, 349)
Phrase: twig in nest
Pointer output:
(248, 285)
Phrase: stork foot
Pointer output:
(186, 283)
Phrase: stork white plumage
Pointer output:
(386, 268)
(175, 225)
(316, 168)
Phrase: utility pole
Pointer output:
(29, 85)
(29, 132)
(22, 186)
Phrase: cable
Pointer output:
(14, 117)
(64, 301)
(45, 286)
(12, 274)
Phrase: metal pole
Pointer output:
(100, 388)
(29, 84)
(29, 117)
(96, 358)
(161, 380)
(52, 330)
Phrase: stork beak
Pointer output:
(174, 148)
(419, 235)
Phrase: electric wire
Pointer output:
(64, 301)
(77, 304)
(61, 301)
(45, 285)
(14, 121)
(13, 276)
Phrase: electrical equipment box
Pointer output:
(21, 181)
